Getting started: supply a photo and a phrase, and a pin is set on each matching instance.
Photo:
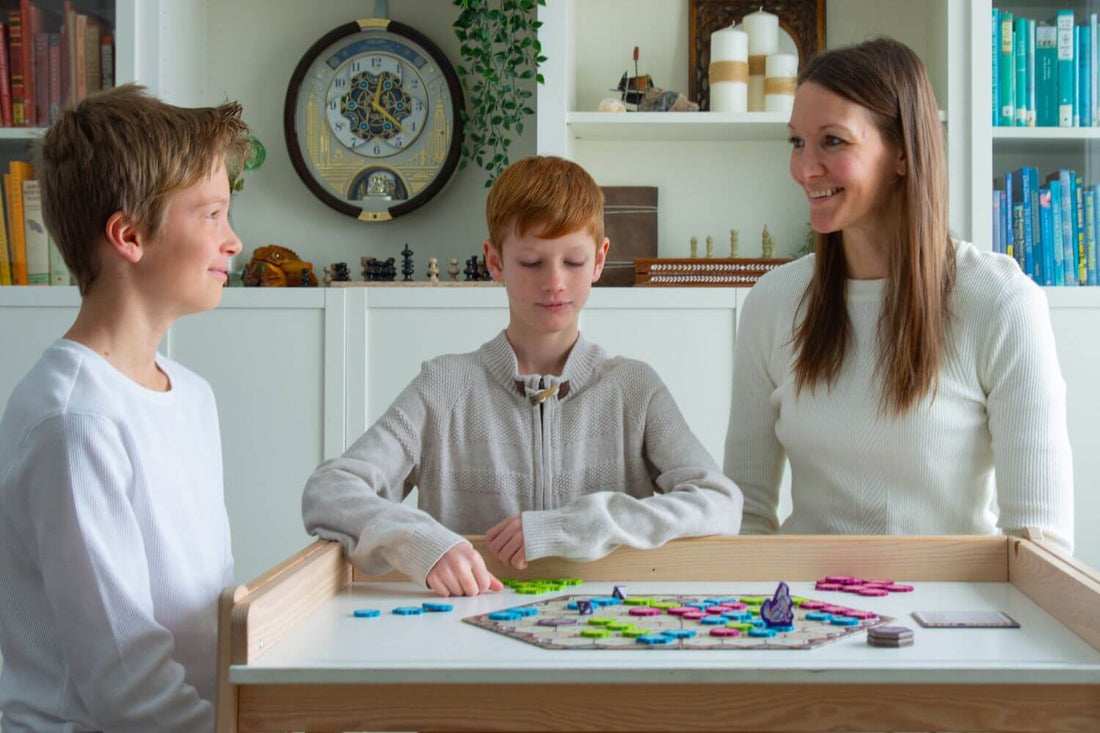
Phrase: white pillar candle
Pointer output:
(763, 30)
(729, 70)
(780, 81)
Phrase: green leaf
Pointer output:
(540, 79)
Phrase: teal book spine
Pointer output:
(1030, 51)
(1084, 85)
(1007, 71)
(1018, 231)
(1065, 68)
(996, 75)
(1046, 237)
(1019, 55)
(1082, 242)
(1058, 254)
(1046, 75)
(1092, 201)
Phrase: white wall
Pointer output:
(247, 51)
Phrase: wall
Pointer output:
(251, 49)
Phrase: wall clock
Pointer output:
(373, 119)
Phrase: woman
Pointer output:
(910, 379)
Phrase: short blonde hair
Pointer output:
(125, 150)
(544, 191)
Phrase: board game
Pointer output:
(675, 622)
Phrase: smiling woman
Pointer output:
(910, 380)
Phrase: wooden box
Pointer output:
(630, 222)
(710, 272)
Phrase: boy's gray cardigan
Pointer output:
(607, 460)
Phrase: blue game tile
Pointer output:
(366, 613)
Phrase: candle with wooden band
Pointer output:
(763, 30)
(781, 79)
(729, 70)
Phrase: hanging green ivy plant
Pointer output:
(499, 50)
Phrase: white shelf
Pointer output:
(21, 133)
(678, 126)
(681, 126)
(1073, 297)
(1046, 133)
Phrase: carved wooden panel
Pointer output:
(803, 20)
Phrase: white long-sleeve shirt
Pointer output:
(990, 453)
(114, 545)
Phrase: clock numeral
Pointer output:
(418, 105)
(339, 127)
(376, 63)
(377, 149)
(412, 126)
(340, 82)
(356, 66)
(332, 105)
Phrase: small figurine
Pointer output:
(365, 264)
(767, 244)
(337, 272)
(610, 104)
(584, 608)
(275, 266)
(694, 247)
(619, 592)
(407, 263)
(453, 270)
(734, 237)
(710, 246)
(471, 269)
(778, 610)
(433, 270)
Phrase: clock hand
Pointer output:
(388, 116)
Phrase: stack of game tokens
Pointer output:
(890, 636)
(538, 586)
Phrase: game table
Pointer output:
(293, 657)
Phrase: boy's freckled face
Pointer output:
(548, 280)
(187, 263)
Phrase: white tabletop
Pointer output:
(332, 646)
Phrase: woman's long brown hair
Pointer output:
(889, 80)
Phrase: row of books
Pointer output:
(1045, 72)
(49, 60)
(28, 255)
(1051, 230)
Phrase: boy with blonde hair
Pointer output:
(114, 540)
(539, 439)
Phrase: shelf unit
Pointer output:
(718, 171)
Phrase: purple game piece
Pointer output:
(828, 586)
(853, 588)
(839, 579)
(694, 615)
(557, 622)
(853, 613)
(680, 610)
(734, 605)
(853, 581)
(717, 610)
(833, 609)
(778, 610)
(645, 611)
(619, 592)
(584, 608)
(873, 591)
(724, 631)
(812, 605)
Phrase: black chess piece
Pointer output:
(470, 271)
(407, 263)
(483, 271)
(305, 278)
(389, 273)
(340, 272)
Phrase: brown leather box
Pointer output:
(630, 222)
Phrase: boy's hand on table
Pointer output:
(505, 540)
(461, 572)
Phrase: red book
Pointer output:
(26, 12)
(15, 47)
(55, 77)
(5, 79)
(42, 80)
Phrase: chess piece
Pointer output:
(433, 270)
(389, 270)
(367, 268)
(483, 271)
(341, 273)
(453, 269)
(329, 275)
(734, 237)
(471, 269)
(694, 247)
(710, 246)
(767, 244)
(407, 263)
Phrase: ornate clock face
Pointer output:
(372, 119)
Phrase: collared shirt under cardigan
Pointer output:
(604, 461)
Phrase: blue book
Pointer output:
(1085, 83)
(1066, 181)
(1018, 224)
(996, 20)
(1056, 231)
(1019, 55)
(1046, 237)
(1022, 195)
(1007, 69)
(1092, 70)
(1065, 68)
(1006, 223)
(1046, 75)
(1090, 235)
(1091, 276)
(1034, 254)
(1082, 242)
(1076, 77)
(996, 221)
(1010, 244)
